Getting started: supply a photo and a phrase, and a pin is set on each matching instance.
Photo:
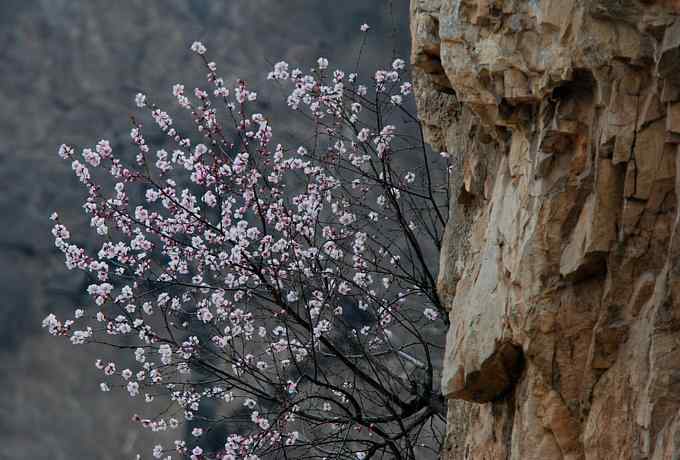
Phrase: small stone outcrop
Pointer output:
(561, 262)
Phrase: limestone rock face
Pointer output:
(561, 262)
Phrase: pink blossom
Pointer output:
(233, 267)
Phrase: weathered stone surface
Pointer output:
(564, 235)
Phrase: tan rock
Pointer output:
(670, 91)
(673, 123)
(516, 86)
(565, 252)
(643, 168)
(556, 13)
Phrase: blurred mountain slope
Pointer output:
(69, 71)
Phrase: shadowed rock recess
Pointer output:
(561, 262)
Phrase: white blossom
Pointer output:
(198, 48)
(140, 100)
(431, 314)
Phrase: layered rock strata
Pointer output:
(561, 265)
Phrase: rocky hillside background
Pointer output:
(562, 257)
(69, 72)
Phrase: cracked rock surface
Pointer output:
(563, 245)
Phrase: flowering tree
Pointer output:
(291, 290)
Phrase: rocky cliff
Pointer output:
(561, 265)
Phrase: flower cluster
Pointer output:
(294, 283)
